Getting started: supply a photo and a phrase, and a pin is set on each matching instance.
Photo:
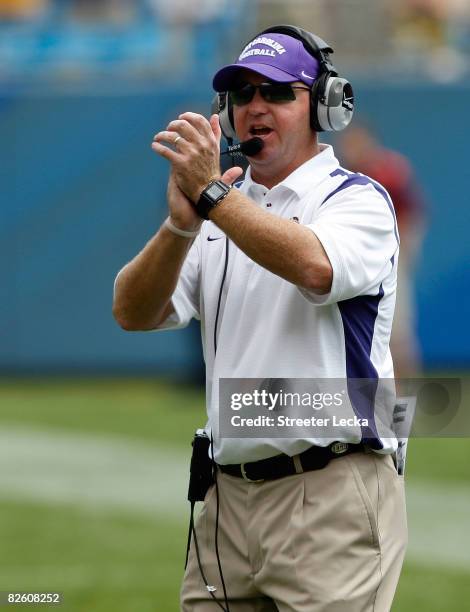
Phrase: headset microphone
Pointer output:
(248, 147)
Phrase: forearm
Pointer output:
(142, 297)
(282, 246)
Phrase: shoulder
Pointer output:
(346, 181)
(353, 195)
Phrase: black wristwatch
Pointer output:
(211, 197)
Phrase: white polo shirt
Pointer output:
(269, 328)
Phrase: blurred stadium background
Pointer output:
(96, 423)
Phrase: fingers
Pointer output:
(184, 129)
(198, 122)
(191, 144)
(231, 175)
(168, 137)
(164, 151)
(215, 125)
(191, 128)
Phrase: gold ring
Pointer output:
(176, 139)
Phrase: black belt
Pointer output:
(314, 458)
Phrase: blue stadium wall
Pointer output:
(82, 192)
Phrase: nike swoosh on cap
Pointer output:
(307, 76)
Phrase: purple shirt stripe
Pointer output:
(359, 315)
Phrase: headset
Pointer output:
(331, 97)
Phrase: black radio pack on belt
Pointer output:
(201, 475)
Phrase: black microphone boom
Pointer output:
(248, 147)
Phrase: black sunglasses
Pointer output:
(277, 93)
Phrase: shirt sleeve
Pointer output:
(186, 297)
(357, 228)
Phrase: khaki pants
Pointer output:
(331, 540)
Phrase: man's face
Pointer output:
(284, 127)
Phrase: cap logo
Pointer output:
(262, 40)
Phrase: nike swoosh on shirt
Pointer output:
(307, 76)
(216, 238)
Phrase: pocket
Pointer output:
(209, 493)
(204, 521)
(366, 502)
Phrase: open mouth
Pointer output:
(260, 131)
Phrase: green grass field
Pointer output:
(92, 498)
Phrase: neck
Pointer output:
(270, 177)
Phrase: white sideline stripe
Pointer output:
(93, 472)
(77, 576)
(120, 474)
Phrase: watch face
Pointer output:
(215, 191)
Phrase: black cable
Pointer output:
(190, 531)
(208, 587)
(230, 143)
(217, 526)
(220, 294)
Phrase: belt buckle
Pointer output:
(245, 477)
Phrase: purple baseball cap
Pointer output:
(278, 57)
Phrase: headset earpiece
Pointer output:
(332, 103)
(335, 107)
(221, 105)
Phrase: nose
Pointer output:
(258, 104)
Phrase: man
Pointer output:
(293, 275)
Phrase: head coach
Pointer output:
(292, 273)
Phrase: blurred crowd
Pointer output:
(40, 38)
(429, 38)
(435, 35)
(417, 38)
(111, 11)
